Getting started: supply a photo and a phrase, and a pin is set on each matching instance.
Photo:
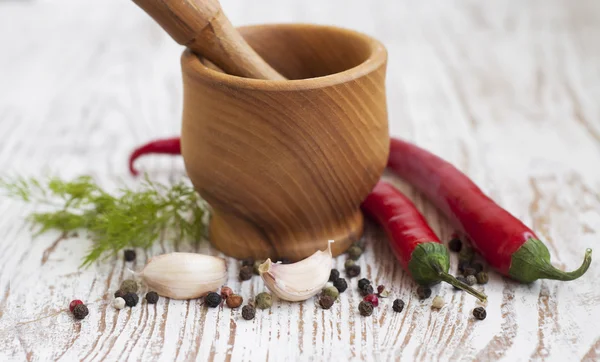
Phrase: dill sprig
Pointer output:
(133, 218)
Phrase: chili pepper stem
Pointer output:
(445, 277)
(532, 261)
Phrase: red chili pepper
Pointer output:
(412, 241)
(505, 242)
(167, 146)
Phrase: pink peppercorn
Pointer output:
(73, 304)
(372, 298)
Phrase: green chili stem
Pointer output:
(445, 277)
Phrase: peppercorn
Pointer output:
(372, 298)
(380, 289)
(479, 313)
(234, 301)
(349, 263)
(213, 299)
(482, 277)
(131, 299)
(366, 290)
(119, 303)
(365, 308)
(263, 300)
(354, 252)
(120, 293)
(398, 305)
(471, 280)
(129, 286)
(455, 245)
(248, 312)
(363, 282)
(246, 272)
(340, 284)
(423, 292)
(152, 297)
(73, 304)
(462, 280)
(463, 264)
(256, 266)
(477, 266)
(80, 311)
(334, 275)
(331, 291)
(248, 262)
(326, 301)
(438, 302)
(353, 271)
(469, 271)
(466, 253)
(129, 255)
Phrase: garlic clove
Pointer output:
(298, 281)
(184, 275)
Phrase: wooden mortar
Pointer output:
(285, 164)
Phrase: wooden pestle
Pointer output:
(202, 26)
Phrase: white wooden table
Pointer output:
(506, 90)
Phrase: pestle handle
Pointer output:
(202, 26)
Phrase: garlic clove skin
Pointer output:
(184, 275)
(298, 281)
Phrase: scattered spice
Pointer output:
(398, 305)
(246, 272)
(354, 252)
(248, 312)
(334, 275)
(340, 284)
(423, 292)
(129, 286)
(461, 279)
(326, 301)
(74, 303)
(256, 266)
(466, 253)
(152, 297)
(234, 301)
(248, 262)
(469, 271)
(455, 245)
(479, 313)
(438, 302)
(363, 282)
(226, 292)
(213, 299)
(349, 263)
(80, 311)
(353, 271)
(380, 289)
(129, 255)
(119, 303)
(463, 264)
(263, 300)
(372, 298)
(365, 308)
(331, 291)
(471, 280)
(366, 290)
(477, 266)
(131, 299)
(482, 277)
(120, 293)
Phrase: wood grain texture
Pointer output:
(286, 165)
(506, 90)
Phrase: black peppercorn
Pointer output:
(423, 292)
(129, 255)
(469, 271)
(248, 312)
(334, 275)
(213, 299)
(366, 290)
(131, 299)
(479, 313)
(120, 293)
(455, 245)
(246, 272)
(477, 266)
(340, 284)
(462, 280)
(248, 262)
(463, 264)
(398, 305)
(326, 301)
(482, 277)
(152, 297)
(354, 252)
(363, 283)
(365, 308)
(471, 280)
(353, 271)
(466, 253)
(80, 311)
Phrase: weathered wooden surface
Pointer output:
(506, 90)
